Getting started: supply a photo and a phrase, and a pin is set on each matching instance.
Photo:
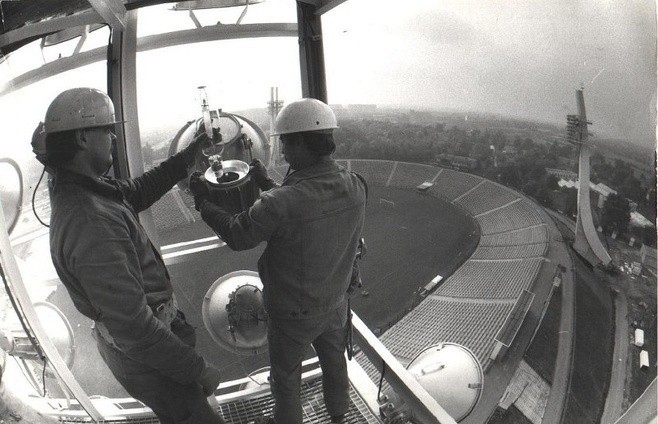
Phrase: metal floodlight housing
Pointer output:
(212, 4)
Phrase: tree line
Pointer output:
(517, 162)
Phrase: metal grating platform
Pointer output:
(244, 411)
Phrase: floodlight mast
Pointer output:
(586, 241)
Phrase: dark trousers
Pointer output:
(288, 340)
(172, 402)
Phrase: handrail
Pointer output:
(15, 282)
(425, 407)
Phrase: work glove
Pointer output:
(259, 173)
(199, 189)
(209, 380)
(190, 153)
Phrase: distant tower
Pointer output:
(273, 107)
(587, 242)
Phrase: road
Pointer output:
(613, 403)
(564, 359)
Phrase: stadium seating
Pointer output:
(500, 279)
(486, 197)
(513, 216)
(452, 184)
(171, 211)
(471, 305)
(410, 175)
(529, 235)
(439, 319)
(530, 250)
(376, 172)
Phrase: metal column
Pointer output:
(311, 52)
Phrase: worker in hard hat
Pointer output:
(110, 268)
(312, 223)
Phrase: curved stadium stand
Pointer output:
(172, 210)
(472, 305)
(452, 184)
(486, 197)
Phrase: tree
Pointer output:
(632, 188)
(649, 236)
(510, 175)
(571, 203)
(620, 172)
(552, 182)
(148, 154)
(616, 214)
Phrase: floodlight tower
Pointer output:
(586, 242)
(273, 107)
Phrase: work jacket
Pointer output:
(111, 269)
(312, 224)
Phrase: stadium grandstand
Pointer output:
(485, 296)
(485, 197)
(452, 184)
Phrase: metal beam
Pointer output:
(112, 11)
(323, 6)
(49, 26)
(327, 5)
(114, 78)
(211, 33)
(212, 4)
(131, 112)
(216, 32)
(404, 384)
(311, 52)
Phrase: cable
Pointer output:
(34, 195)
(43, 375)
(381, 380)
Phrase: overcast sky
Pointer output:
(522, 58)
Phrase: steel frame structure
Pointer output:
(121, 76)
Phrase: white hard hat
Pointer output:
(79, 108)
(305, 115)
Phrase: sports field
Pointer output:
(410, 241)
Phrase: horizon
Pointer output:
(519, 118)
